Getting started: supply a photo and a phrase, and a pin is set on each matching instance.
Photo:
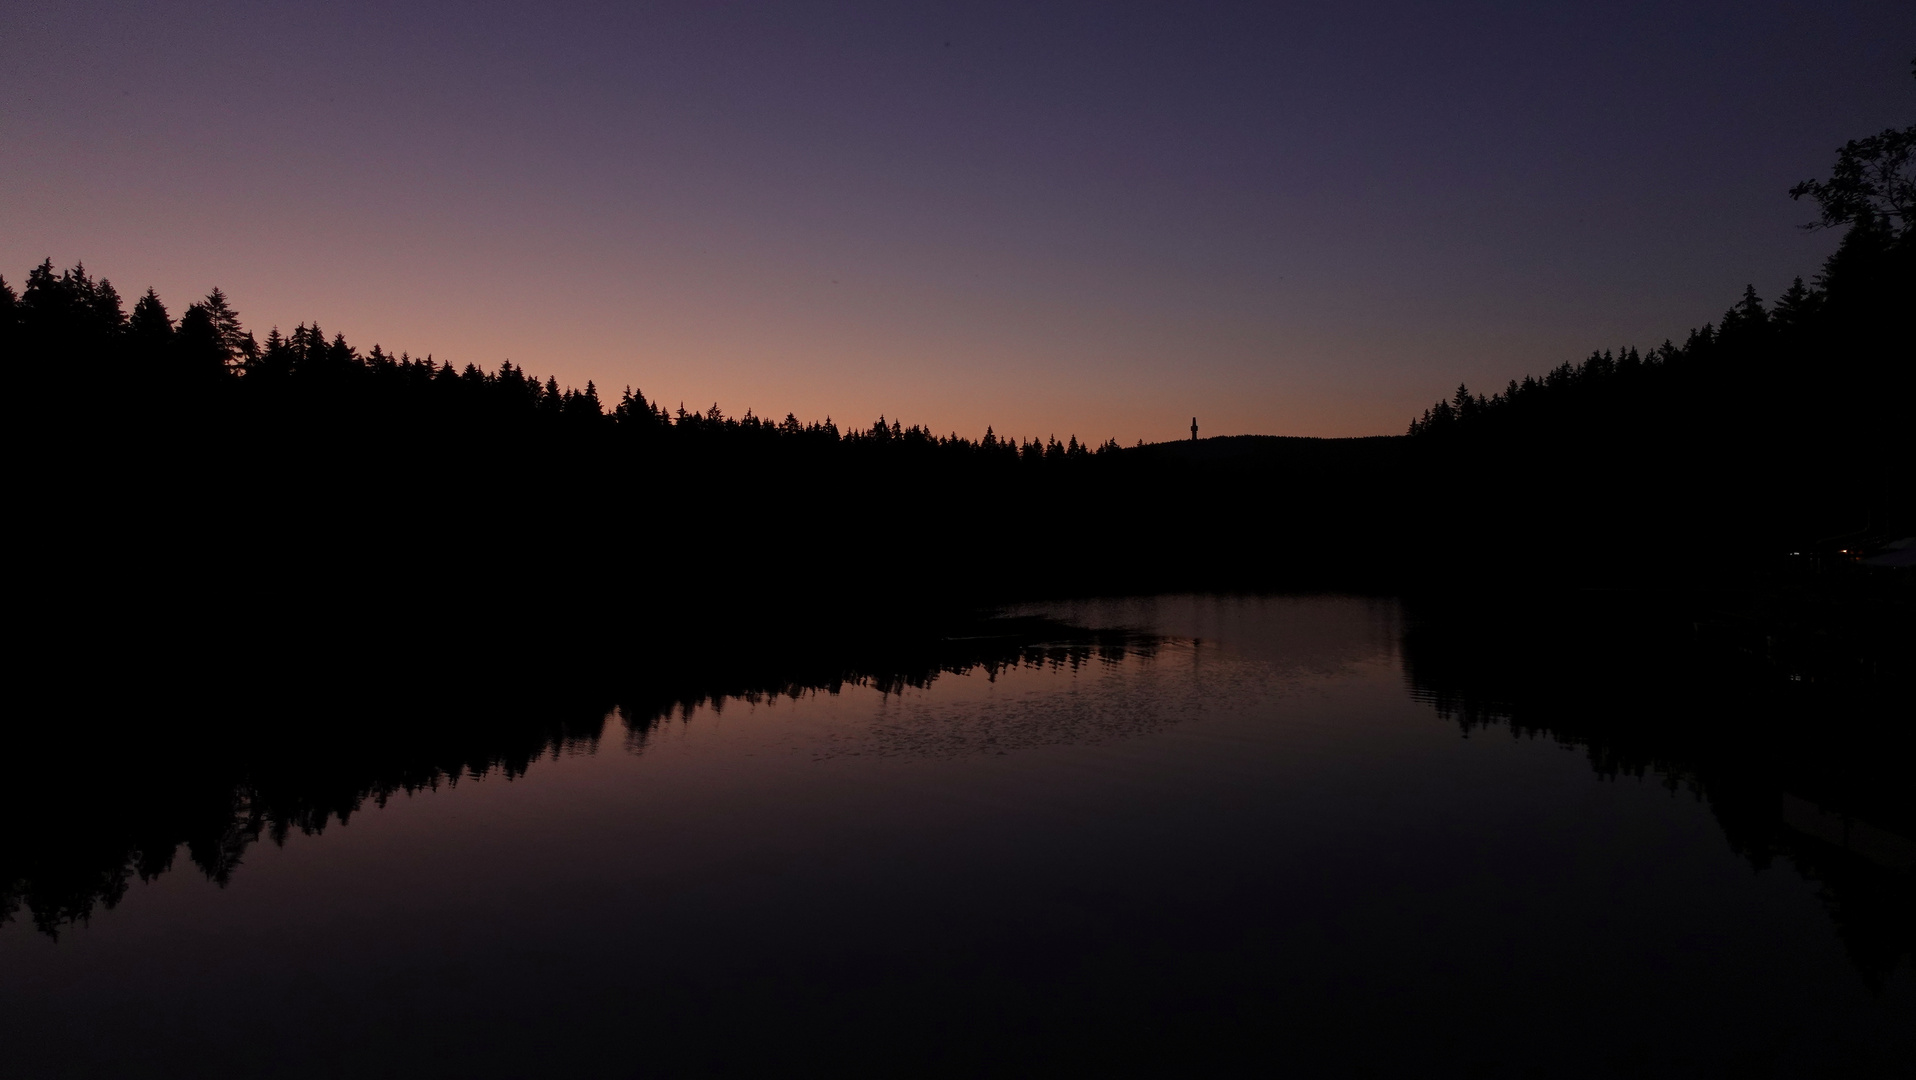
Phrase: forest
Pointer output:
(196, 501)
(297, 577)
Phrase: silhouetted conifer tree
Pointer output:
(150, 323)
(230, 340)
(104, 308)
(279, 356)
(1796, 307)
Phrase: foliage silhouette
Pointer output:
(1874, 177)
(206, 517)
(213, 483)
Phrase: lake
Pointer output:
(1257, 833)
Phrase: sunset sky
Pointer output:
(1094, 219)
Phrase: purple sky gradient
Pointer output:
(1097, 219)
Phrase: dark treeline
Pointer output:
(211, 504)
(1779, 427)
(189, 470)
(69, 313)
(185, 482)
(205, 517)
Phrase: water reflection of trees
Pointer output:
(83, 816)
(1800, 767)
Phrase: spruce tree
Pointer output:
(229, 338)
(150, 322)
(104, 308)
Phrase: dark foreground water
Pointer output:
(1264, 840)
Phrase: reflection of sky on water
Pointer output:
(1248, 844)
(1207, 657)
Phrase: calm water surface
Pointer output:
(1251, 845)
